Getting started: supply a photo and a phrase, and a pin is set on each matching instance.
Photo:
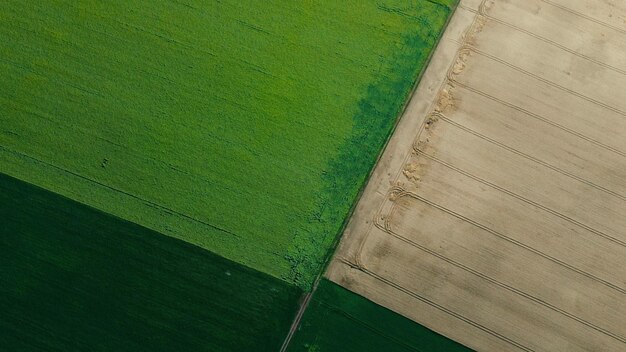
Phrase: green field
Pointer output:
(75, 279)
(243, 127)
(339, 320)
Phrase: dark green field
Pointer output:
(339, 320)
(75, 279)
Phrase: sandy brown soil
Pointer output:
(497, 214)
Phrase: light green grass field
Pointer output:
(244, 127)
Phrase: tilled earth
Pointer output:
(497, 215)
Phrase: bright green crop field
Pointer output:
(339, 320)
(246, 128)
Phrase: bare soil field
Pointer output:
(497, 214)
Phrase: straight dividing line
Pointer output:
(305, 304)
(363, 269)
(404, 109)
(296, 323)
(307, 297)
(358, 263)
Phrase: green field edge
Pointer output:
(452, 5)
(337, 240)
(333, 248)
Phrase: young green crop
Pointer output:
(244, 127)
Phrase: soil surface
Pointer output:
(496, 214)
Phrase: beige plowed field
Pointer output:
(497, 214)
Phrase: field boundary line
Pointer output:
(358, 265)
(332, 250)
(383, 222)
(432, 106)
(296, 323)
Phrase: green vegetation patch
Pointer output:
(244, 127)
(75, 279)
(339, 320)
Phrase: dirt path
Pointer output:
(296, 321)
